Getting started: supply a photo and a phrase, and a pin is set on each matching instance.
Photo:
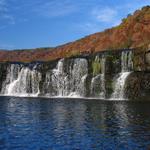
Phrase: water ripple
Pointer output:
(60, 124)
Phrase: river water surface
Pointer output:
(73, 124)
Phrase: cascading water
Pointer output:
(71, 77)
(119, 86)
(126, 67)
(78, 77)
(59, 79)
(98, 81)
(126, 61)
(60, 82)
(103, 63)
(24, 82)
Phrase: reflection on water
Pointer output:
(69, 124)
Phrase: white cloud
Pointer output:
(105, 14)
(9, 18)
(3, 6)
(6, 46)
(5, 15)
(89, 27)
(56, 8)
(100, 19)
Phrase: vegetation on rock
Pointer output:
(96, 65)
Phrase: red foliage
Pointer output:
(134, 31)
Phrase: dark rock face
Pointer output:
(3, 73)
(138, 85)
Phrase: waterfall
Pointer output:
(126, 61)
(98, 81)
(78, 77)
(126, 67)
(67, 82)
(119, 86)
(59, 79)
(96, 86)
(12, 74)
(69, 77)
(103, 63)
(24, 82)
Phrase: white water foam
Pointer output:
(119, 86)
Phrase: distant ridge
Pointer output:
(134, 31)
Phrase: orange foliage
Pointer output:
(134, 31)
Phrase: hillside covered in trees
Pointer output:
(133, 32)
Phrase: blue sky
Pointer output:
(47, 23)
